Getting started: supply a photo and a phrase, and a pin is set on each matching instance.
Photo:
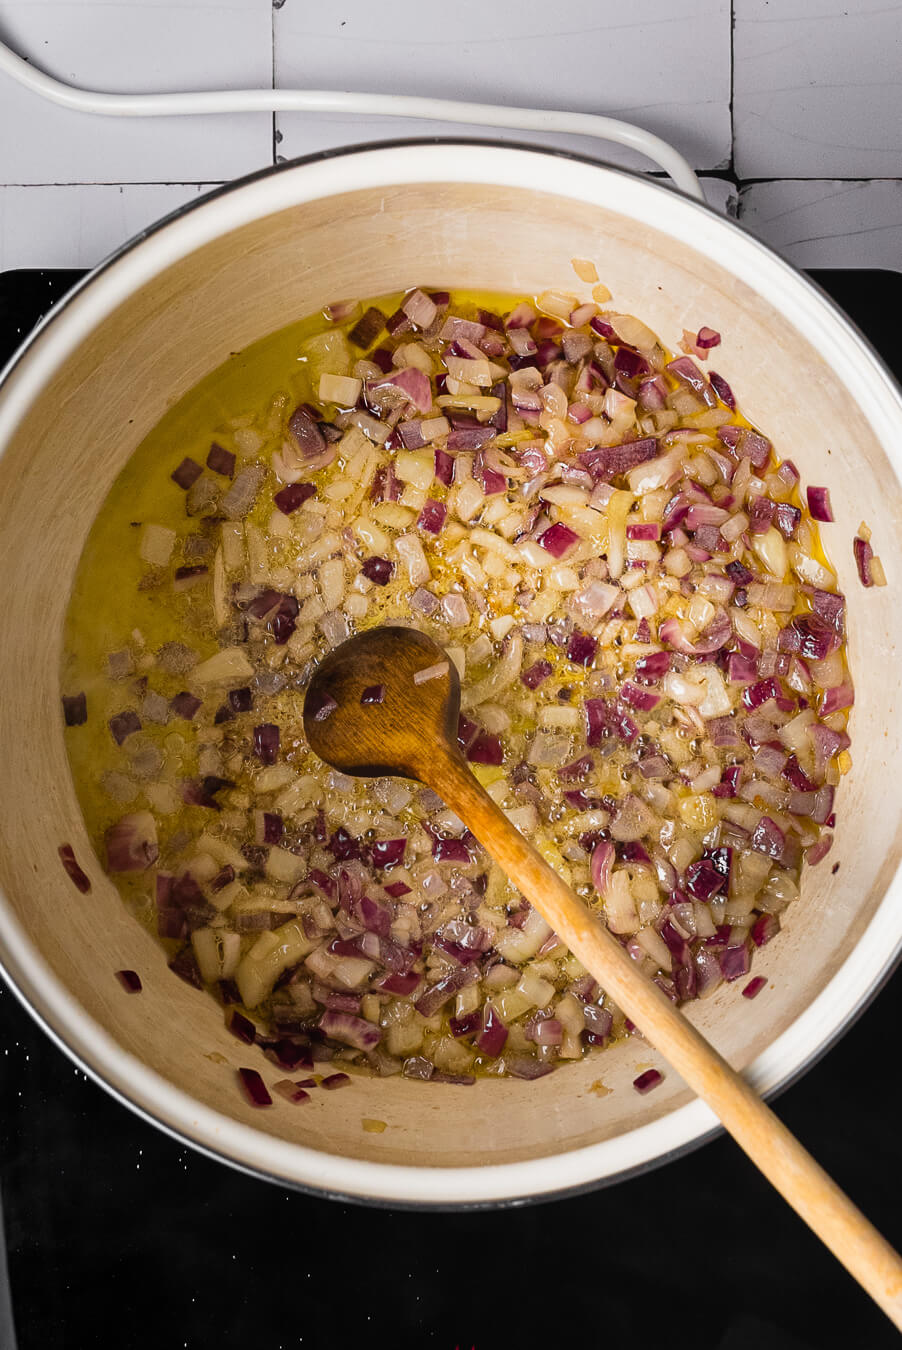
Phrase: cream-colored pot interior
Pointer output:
(146, 328)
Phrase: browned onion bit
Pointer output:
(75, 709)
(130, 981)
(187, 473)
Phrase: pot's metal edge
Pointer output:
(661, 1159)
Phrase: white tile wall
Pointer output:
(638, 61)
(820, 223)
(131, 46)
(78, 225)
(816, 88)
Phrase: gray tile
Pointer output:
(824, 223)
(720, 193)
(134, 45)
(667, 69)
(80, 224)
(818, 88)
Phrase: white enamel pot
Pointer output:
(139, 333)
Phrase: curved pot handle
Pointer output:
(379, 105)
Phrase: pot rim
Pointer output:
(511, 164)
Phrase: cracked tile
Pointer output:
(667, 70)
(817, 88)
(826, 223)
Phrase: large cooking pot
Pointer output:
(150, 324)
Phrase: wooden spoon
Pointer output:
(387, 702)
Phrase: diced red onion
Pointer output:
(420, 310)
(735, 962)
(124, 724)
(493, 1036)
(266, 742)
(187, 473)
(432, 516)
(703, 880)
(581, 648)
(335, 1080)
(75, 874)
(722, 390)
(367, 328)
(350, 1030)
(787, 519)
(75, 709)
(863, 555)
(600, 866)
(707, 338)
(647, 1080)
(558, 539)
(254, 1087)
(606, 461)
(131, 843)
(289, 498)
(819, 504)
(840, 696)
(649, 669)
(536, 673)
(768, 838)
(486, 749)
(411, 382)
(378, 570)
(638, 698)
(444, 466)
(130, 981)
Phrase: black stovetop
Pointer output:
(120, 1237)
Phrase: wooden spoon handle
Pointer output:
(770, 1145)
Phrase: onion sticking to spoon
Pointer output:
(411, 732)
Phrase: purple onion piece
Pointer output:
(130, 981)
(432, 517)
(486, 749)
(367, 328)
(378, 570)
(79, 879)
(242, 1027)
(289, 498)
(187, 473)
(266, 741)
(221, 460)
(558, 540)
(535, 674)
(185, 705)
(388, 852)
(581, 648)
(75, 709)
(124, 724)
(336, 1080)
(819, 504)
(254, 1087)
(863, 555)
(493, 1036)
